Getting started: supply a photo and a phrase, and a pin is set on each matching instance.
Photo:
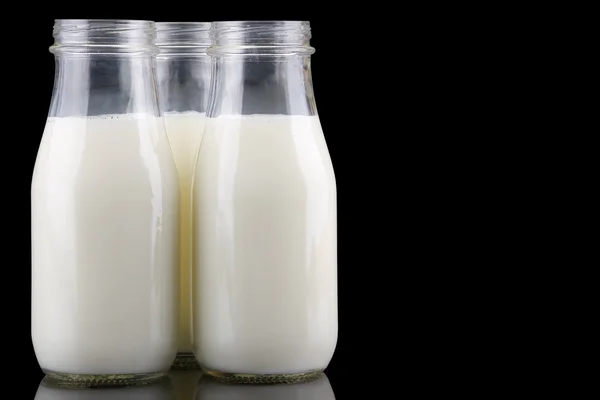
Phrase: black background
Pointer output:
(418, 106)
(339, 72)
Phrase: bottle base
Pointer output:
(100, 380)
(185, 361)
(270, 379)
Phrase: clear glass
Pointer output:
(158, 390)
(317, 389)
(183, 70)
(264, 212)
(185, 383)
(105, 212)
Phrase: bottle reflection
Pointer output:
(320, 389)
(160, 390)
(184, 383)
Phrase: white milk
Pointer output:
(185, 131)
(265, 261)
(104, 246)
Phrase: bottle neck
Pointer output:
(103, 67)
(183, 81)
(103, 84)
(182, 66)
(261, 83)
(261, 67)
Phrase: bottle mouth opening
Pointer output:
(243, 36)
(118, 33)
(98, 26)
(183, 34)
(299, 24)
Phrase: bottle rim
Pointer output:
(86, 36)
(182, 37)
(253, 37)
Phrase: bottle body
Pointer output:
(104, 218)
(183, 72)
(264, 214)
(266, 223)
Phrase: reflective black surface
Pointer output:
(193, 385)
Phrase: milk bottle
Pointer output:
(105, 213)
(264, 212)
(183, 72)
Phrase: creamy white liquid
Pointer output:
(104, 246)
(264, 246)
(185, 132)
(320, 389)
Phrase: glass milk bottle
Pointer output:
(104, 212)
(264, 212)
(183, 70)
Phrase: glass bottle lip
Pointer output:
(133, 22)
(265, 23)
(183, 34)
(87, 36)
(254, 37)
(175, 38)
